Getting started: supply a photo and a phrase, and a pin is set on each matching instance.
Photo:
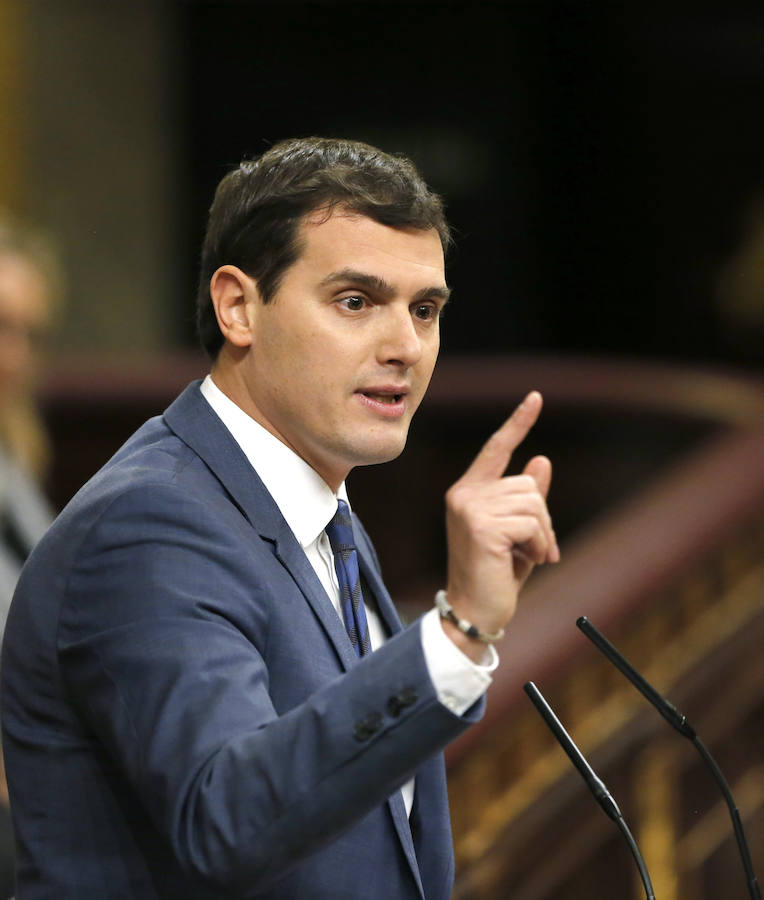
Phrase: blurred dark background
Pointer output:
(602, 162)
(603, 167)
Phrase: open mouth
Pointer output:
(384, 398)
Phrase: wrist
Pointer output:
(473, 650)
(461, 630)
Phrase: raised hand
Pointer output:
(498, 528)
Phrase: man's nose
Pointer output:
(400, 343)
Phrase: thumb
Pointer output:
(540, 468)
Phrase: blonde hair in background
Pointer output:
(25, 438)
(22, 431)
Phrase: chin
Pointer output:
(381, 454)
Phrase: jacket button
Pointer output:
(408, 696)
(394, 706)
(398, 702)
(365, 728)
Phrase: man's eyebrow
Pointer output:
(380, 286)
(433, 293)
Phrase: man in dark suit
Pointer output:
(191, 704)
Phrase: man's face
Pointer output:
(342, 355)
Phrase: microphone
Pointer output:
(595, 785)
(677, 720)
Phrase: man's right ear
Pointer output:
(233, 294)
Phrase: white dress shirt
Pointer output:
(308, 504)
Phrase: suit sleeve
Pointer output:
(177, 692)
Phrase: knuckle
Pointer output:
(531, 528)
(538, 506)
(458, 499)
(520, 484)
(454, 495)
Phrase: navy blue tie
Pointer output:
(340, 534)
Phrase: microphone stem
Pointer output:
(601, 793)
(643, 873)
(680, 723)
(737, 825)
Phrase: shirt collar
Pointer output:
(305, 500)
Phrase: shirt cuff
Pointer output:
(458, 681)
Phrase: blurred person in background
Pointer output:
(28, 289)
(29, 282)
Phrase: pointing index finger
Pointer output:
(494, 457)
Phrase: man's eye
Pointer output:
(425, 312)
(354, 304)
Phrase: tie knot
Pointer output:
(340, 529)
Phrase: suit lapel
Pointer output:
(401, 822)
(293, 558)
(431, 828)
(370, 573)
(194, 421)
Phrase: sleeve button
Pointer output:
(398, 702)
(394, 706)
(365, 728)
(408, 696)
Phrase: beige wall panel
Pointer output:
(100, 169)
(14, 105)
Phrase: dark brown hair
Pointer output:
(258, 207)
